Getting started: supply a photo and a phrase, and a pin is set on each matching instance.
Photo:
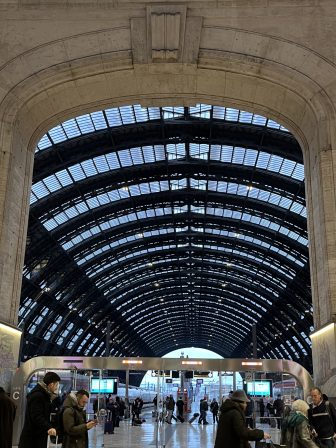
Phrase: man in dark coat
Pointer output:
(322, 416)
(232, 431)
(37, 425)
(279, 407)
(7, 415)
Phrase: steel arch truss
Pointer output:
(181, 226)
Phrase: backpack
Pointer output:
(59, 426)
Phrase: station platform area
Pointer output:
(175, 435)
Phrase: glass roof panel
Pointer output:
(124, 115)
(98, 120)
(150, 154)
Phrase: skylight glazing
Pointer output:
(151, 154)
(126, 115)
(229, 188)
(184, 230)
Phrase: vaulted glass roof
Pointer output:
(176, 220)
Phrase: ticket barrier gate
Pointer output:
(53, 363)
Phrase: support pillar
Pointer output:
(324, 357)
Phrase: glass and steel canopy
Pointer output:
(180, 225)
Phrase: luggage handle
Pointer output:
(49, 442)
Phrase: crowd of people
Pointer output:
(69, 423)
(112, 408)
(302, 425)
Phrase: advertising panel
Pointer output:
(10, 338)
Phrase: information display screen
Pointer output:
(260, 388)
(104, 386)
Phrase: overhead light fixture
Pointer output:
(192, 363)
(251, 363)
(322, 330)
(131, 361)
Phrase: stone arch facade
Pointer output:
(203, 58)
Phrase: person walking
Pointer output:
(170, 406)
(180, 408)
(203, 411)
(7, 416)
(37, 425)
(232, 431)
(295, 431)
(74, 420)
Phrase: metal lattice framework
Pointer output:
(182, 226)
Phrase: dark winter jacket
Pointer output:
(37, 419)
(7, 415)
(214, 406)
(295, 431)
(278, 406)
(180, 406)
(323, 419)
(74, 424)
(204, 406)
(232, 431)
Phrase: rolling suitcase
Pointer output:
(108, 426)
(194, 417)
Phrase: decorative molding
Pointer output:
(166, 35)
(165, 32)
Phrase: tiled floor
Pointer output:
(149, 434)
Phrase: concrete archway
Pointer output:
(59, 79)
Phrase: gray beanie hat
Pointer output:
(239, 395)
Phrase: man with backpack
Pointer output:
(75, 426)
(322, 416)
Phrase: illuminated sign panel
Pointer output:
(202, 374)
(104, 386)
(262, 388)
